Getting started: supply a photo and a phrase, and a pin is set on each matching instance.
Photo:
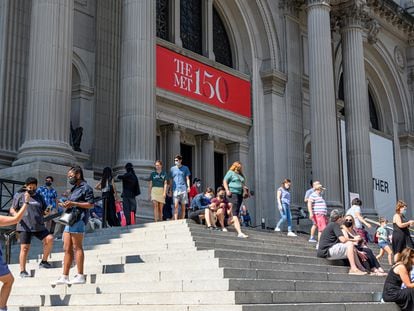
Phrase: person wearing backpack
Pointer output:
(130, 189)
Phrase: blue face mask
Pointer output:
(404, 211)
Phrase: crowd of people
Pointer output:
(173, 197)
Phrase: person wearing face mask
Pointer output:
(194, 189)
(401, 235)
(283, 200)
(31, 224)
(365, 254)
(355, 212)
(50, 196)
(180, 175)
(199, 204)
(81, 198)
(157, 189)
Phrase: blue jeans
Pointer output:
(285, 215)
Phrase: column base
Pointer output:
(7, 158)
(56, 152)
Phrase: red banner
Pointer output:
(187, 77)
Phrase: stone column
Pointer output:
(207, 28)
(175, 22)
(207, 161)
(356, 108)
(325, 154)
(137, 135)
(47, 115)
(173, 145)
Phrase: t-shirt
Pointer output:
(235, 182)
(308, 193)
(318, 204)
(200, 201)
(285, 195)
(217, 202)
(179, 176)
(383, 234)
(329, 237)
(32, 220)
(352, 211)
(158, 179)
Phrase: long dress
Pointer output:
(401, 238)
(109, 200)
(392, 292)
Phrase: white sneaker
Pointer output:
(317, 246)
(242, 236)
(79, 279)
(277, 229)
(224, 229)
(290, 233)
(63, 280)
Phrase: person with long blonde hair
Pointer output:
(234, 182)
(157, 189)
(399, 274)
(401, 235)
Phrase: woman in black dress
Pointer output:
(400, 273)
(401, 235)
(107, 186)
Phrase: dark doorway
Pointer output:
(218, 169)
(187, 154)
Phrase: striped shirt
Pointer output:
(318, 204)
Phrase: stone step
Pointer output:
(271, 297)
(109, 299)
(302, 285)
(366, 306)
(159, 307)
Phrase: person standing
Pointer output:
(157, 189)
(50, 196)
(401, 235)
(283, 203)
(180, 175)
(234, 182)
(130, 189)
(5, 275)
(307, 195)
(31, 224)
(107, 186)
(355, 212)
(318, 210)
(81, 198)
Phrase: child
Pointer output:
(382, 236)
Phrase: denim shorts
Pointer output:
(4, 269)
(77, 227)
(382, 244)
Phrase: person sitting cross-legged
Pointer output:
(333, 245)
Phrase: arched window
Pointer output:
(221, 42)
(190, 25)
(163, 23)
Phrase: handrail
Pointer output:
(7, 190)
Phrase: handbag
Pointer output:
(246, 192)
(70, 216)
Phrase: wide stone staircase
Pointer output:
(181, 266)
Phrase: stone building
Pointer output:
(316, 89)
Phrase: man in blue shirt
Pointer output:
(50, 195)
(180, 175)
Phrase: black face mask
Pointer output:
(348, 224)
(31, 192)
(48, 183)
(72, 180)
(221, 196)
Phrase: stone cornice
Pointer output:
(274, 82)
(407, 141)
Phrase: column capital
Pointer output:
(274, 82)
(352, 13)
(323, 3)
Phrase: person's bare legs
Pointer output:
(155, 207)
(389, 253)
(160, 206)
(68, 249)
(24, 251)
(176, 209)
(5, 291)
(381, 253)
(182, 211)
(207, 217)
(313, 231)
(77, 241)
(47, 246)
(351, 255)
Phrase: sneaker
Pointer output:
(224, 229)
(63, 280)
(24, 274)
(317, 245)
(290, 233)
(79, 279)
(242, 236)
(277, 229)
(45, 265)
(312, 240)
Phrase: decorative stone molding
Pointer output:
(274, 82)
(292, 6)
(407, 141)
(399, 58)
(352, 13)
(372, 28)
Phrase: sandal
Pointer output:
(356, 272)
